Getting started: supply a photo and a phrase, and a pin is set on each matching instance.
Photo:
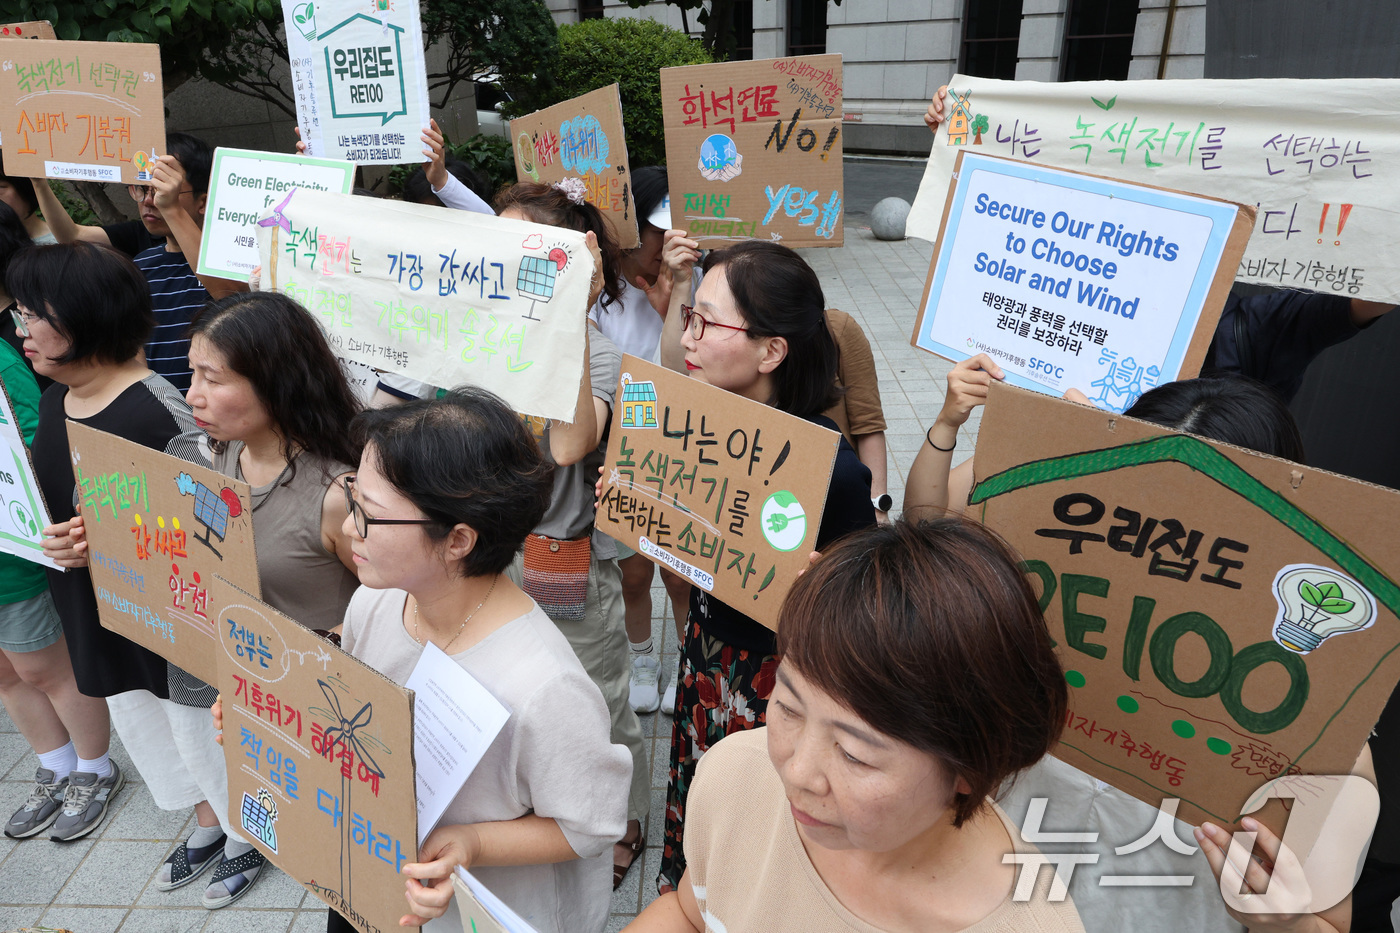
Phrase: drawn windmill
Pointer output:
(212, 510)
(276, 218)
(347, 732)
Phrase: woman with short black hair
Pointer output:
(85, 312)
(446, 492)
(757, 329)
(917, 675)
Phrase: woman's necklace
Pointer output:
(463, 627)
(260, 501)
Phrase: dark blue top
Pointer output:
(176, 296)
(1272, 338)
(848, 508)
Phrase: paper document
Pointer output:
(482, 911)
(455, 719)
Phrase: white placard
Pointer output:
(1071, 281)
(23, 513)
(455, 719)
(358, 77)
(242, 185)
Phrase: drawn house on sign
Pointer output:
(960, 120)
(638, 403)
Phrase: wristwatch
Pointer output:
(882, 502)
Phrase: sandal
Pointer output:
(635, 847)
(188, 863)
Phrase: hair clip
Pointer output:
(574, 189)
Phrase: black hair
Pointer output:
(464, 457)
(279, 347)
(23, 186)
(93, 295)
(196, 158)
(780, 296)
(13, 237)
(417, 190)
(932, 635)
(1228, 408)
(649, 189)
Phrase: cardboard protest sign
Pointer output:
(1076, 281)
(159, 528)
(753, 150)
(40, 29)
(244, 183)
(1222, 617)
(725, 491)
(319, 750)
(582, 138)
(85, 111)
(1320, 176)
(444, 297)
(23, 513)
(359, 79)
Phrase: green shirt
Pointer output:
(20, 579)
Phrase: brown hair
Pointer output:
(546, 204)
(932, 635)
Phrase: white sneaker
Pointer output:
(643, 695)
(668, 702)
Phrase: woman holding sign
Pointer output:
(275, 403)
(758, 329)
(917, 675)
(446, 492)
(85, 312)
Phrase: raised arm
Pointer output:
(63, 227)
(679, 254)
(927, 489)
(169, 178)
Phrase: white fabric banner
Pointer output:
(1313, 155)
(445, 297)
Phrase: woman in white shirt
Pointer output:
(446, 491)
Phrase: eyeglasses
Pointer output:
(697, 324)
(22, 320)
(363, 521)
(140, 193)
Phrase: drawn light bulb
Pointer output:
(1316, 603)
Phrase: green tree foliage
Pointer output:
(183, 28)
(599, 52)
(478, 36)
(490, 155)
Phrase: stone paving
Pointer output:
(104, 884)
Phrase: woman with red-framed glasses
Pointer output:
(757, 328)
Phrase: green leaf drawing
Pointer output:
(1311, 594)
(1330, 590)
(304, 14)
(1105, 106)
(1334, 605)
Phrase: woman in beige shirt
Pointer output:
(917, 675)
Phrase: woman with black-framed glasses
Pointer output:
(445, 494)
